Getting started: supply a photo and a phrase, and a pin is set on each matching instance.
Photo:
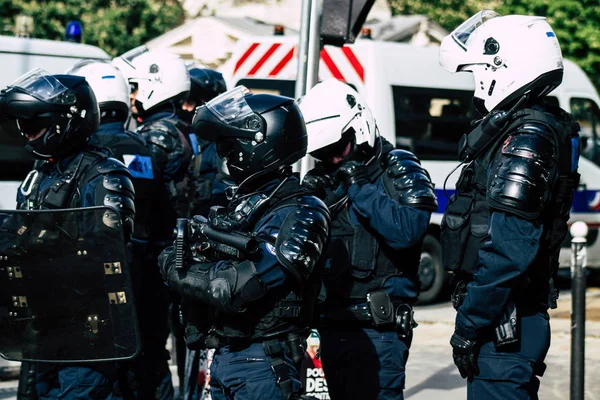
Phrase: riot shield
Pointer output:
(65, 287)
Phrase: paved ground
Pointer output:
(432, 375)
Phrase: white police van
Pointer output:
(17, 57)
(423, 108)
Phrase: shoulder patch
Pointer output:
(139, 166)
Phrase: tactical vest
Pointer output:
(465, 223)
(62, 193)
(279, 312)
(358, 261)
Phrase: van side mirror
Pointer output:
(342, 20)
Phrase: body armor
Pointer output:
(246, 309)
(529, 170)
(358, 261)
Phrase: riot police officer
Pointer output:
(162, 84)
(263, 296)
(502, 230)
(381, 200)
(58, 114)
(205, 187)
(112, 93)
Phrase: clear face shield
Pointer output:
(232, 109)
(45, 87)
(454, 47)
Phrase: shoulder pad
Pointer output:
(161, 126)
(110, 164)
(303, 236)
(521, 177)
(407, 182)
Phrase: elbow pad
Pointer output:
(520, 180)
(116, 191)
(302, 237)
(407, 182)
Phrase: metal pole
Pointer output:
(579, 231)
(314, 44)
(303, 44)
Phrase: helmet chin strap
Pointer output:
(284, 171)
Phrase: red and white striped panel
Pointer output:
(279, 60)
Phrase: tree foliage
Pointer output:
(113, 25)
(576, 22)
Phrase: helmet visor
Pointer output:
(45, 87)
(463, 32)
(232, 110)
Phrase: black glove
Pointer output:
(317, 181)
(166, 261)
(352, 172)
(464, 353)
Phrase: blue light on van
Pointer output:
(550, 34)
(74, 32)
(108, 77)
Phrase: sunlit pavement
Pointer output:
(431, 374)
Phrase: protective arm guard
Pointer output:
(116, 191)
(520, 181)
(226, 286)
(302, 237)
(407, 182)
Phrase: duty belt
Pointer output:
(359, 313)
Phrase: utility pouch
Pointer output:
(507, 332)
(381, 308)
(405, 322)
(364, 251)
(455, 230)
(296, 346)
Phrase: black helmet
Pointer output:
(257, 133)
(206, 84)
(63, 105)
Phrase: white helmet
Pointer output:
(333, 110)
(508, 56)
(162, 78)
(124, 61)
(109, 85)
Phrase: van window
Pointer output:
(551, 101)
(586, 112)
(430, 122)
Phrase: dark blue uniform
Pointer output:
(503, 260)
(165, 135)
(502, 233)
(265, 298)
(374, 251)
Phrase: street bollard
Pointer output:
(579, 231)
